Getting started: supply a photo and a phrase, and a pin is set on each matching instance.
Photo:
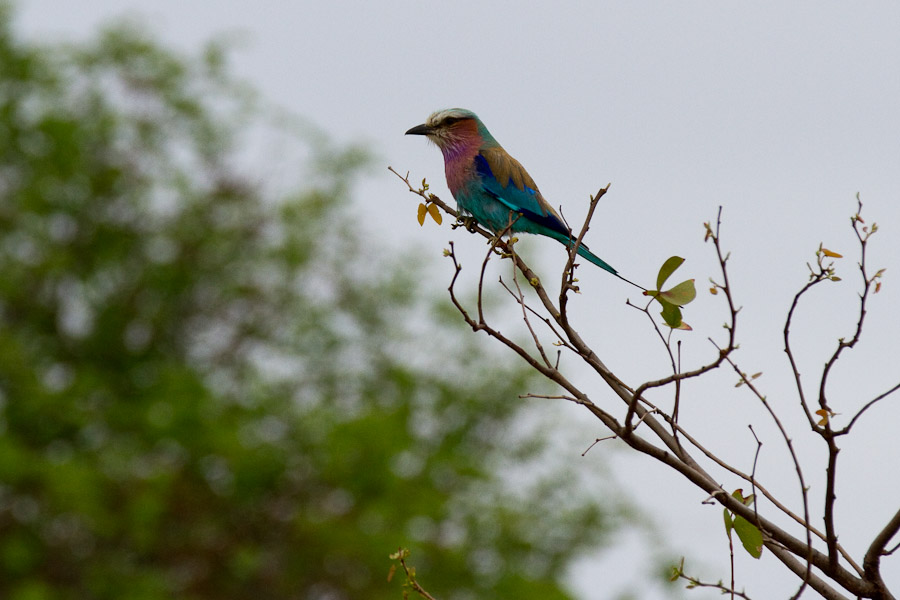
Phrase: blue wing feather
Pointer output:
(524, 201)
(512, 190)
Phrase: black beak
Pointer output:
(420, 130)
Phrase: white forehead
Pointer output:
(438, 117)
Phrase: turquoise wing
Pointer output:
(503, 178)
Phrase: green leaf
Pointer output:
(729, 522)
(667, 269)
(738, 494)
(681, 294)
(671, 314)
(750, 535)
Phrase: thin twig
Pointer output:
(713, 235)
(866, 407)
(797, 468)
(695, 582)
(411, 576)
(520, 298)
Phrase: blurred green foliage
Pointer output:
(209, 389)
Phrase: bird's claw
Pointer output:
(468, 222)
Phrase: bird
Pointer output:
(492, 186)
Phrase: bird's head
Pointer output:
(454, 128)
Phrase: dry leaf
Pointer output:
(422, 210)
(435, 213)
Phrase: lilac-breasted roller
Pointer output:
(491, 185)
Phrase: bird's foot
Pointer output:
(509, 250)
(468, 222)
(497, 238)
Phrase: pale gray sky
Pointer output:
(780, 112)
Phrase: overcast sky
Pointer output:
(780, 112)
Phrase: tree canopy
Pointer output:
(210, 388)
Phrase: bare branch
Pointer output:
(520, 298)
(872, 560)
(660, 438)
(797, 468)
(868, 405)
(597, 441)
(568, 275)
(800, 569)
(817, 278)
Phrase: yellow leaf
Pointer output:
(713, 291)
(831, 254)
(877, 287)
(435, 213)
(422, 210)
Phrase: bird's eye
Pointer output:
(451, 121)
